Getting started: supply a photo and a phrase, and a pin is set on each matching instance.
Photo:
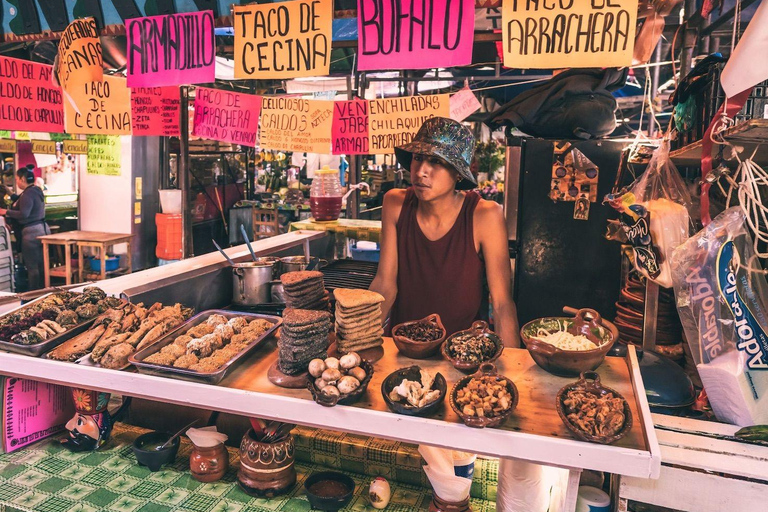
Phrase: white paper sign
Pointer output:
(463, 104)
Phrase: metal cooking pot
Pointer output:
(250, 283)
(296, 263)
(273, 261)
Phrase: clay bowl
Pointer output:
(477, 422)
(266, 469)
(347, 399)
(144, 447)
(478, 328)
(419, 349)
(412, 373)
(331, 503)
(590, 382)
(570, 363)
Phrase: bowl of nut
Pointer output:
(593, 412)
(339, 381)
(485, 399)
(421, 338)
(467, 350)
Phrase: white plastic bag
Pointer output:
(722, 298)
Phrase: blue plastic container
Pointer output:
(112, 263)
(365, 254)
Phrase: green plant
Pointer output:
(489, 156)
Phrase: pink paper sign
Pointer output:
(402, 34)
(29, 101)
(349, 134)
(155, 111)
(227, 116)
(463, 104)
(174, 49)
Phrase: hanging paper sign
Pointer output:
(463, 104)
(283, 40)
(79, 58)
(104, 155)
(100, 107)
(173, 49)
(7, 146)
(402, 34)
(155, 111)
(568, 33)
(75, 147)
(28, 98)
(43, 147)
(349, 135)
(227, 116)
(296, 124)
(394, 121)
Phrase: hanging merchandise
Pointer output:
(655, 216)
(722, 298)
(574, 177)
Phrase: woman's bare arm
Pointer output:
(385, 281)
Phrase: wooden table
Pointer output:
(80, 239)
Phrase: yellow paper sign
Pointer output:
(75, 147)
(102, 108)
(7, 146)
(296, 124)
(137, 208)
(283, 40)
(104, 155)
(137, 187)
(548, 34)
(21, 135)
(44, 147)
(394, 121)
(79, 59)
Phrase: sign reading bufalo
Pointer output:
(546, 34)
(403, 34)
(227, 116)
(171, 50)
(28, 98)
(283, 40)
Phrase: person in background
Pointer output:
(28, 214)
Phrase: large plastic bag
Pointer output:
(722, 298)
(655, 215)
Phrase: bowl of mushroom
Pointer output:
(339, 381)
(414, 391)
(485, 399)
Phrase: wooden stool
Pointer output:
(265, 223)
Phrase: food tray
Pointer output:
(215, 377)
(46, 346)
(87, 360)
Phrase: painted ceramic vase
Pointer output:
(266, 469)
(208, 464)
(91, 426)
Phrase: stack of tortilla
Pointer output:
(303, 337)
(358, 319)
(305, 290)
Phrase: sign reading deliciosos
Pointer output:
(283, 40)
(547, 34)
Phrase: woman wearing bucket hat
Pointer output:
(441, 243)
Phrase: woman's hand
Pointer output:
(3, 212)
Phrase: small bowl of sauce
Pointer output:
(148, 451)
(329, 490)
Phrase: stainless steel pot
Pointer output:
(270, 260)
(296, 263)
(250, 283)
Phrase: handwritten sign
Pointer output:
(155, 111)
(75, 147)
(172, 49)
(349, 135)
(227, 116)
(28, 98)
(101, 108)
(463, 104)
(402, 34)
(104, 155)
(394, 121)
(44, 147)
(7, 146)
(296, 124)
(283, 40)
(568, 33)
(79, 59)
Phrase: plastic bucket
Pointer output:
(170, 201)
(168, 236)
(592, 499)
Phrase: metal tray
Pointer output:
(191, 375)
(45, 346)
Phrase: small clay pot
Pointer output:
(208, 464)
(439, 505)
(266, 469)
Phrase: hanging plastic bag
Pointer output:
(655, 215)
(722, 298)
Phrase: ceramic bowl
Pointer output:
(155, 459)
(570, 363)
(479, 328)
(478, 422)
(347, 399)
(412, 373)
(590, 382)
(325, 502)
(419, 349)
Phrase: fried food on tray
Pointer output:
(185, 361)
(594, 415)
(174, 350)
(238, 323)
(182, 341)
(160, 358)
(201, 330)
(117, 356)
(215, 320)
